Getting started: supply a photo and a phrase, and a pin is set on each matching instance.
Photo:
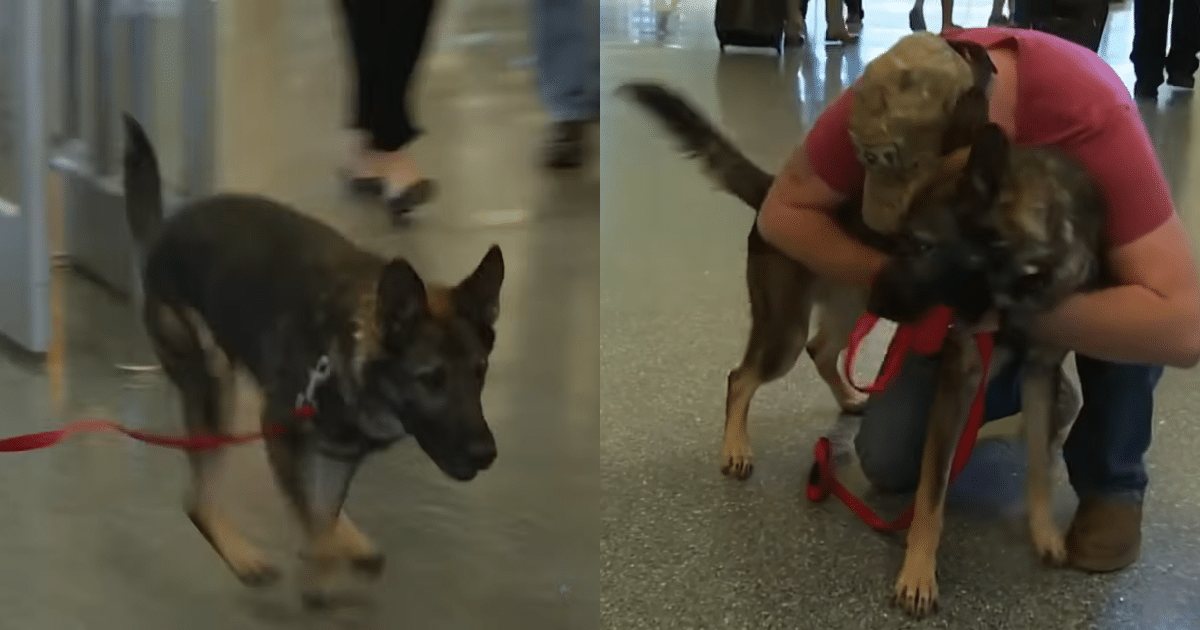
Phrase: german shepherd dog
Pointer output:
(1021, 226)
(373, 352)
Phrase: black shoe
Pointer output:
(565, 144)
(404, 200)
(1145, 90)
(1181, 80)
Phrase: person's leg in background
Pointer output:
(1105, 457)
(1181, 63)
(566, 41)
(997, 18)
(916, 17)
(1149, 45)
(359, 19)
(390, 37)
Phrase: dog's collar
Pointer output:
(306, 400)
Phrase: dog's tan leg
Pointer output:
(771, 354)
(204, 377)
(781, 294)
(354, 545)
(835, 320)
(1042, 415)
(916, 590)
(316, 485)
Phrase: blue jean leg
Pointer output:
(566, 41)
(1105, 453)
(892, 435)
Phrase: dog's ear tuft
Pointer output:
(987, 167)
(478, 295)
(401, 296)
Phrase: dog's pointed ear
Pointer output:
(966, 120)
(980, 61)
(987, 167)
(478, 295)
(400, 296)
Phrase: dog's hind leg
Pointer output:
(916, 590)
(1044, 417)
(205, 381)
(838, 311)
(780, 305)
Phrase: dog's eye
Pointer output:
(434, 379)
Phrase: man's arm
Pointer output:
(1153, 314)
(797, 216)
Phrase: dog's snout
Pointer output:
(482, 453)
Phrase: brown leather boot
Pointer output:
(1106, 534)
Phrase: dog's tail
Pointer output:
(143, 186)
(723, 163)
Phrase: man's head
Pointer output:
(916, 102)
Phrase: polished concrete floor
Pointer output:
(93, 533)
(684, 547)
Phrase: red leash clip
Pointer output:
(925, 337)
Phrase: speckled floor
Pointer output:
(93, 533)
(684, 547)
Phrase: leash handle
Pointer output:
(924, 337)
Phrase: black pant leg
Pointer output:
(404, 27)
(1149, 40)
(361, 22)
(1185, 37)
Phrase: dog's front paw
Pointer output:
(258, 575)
(916, 590)
(736, 459)
(369, 565)
(1049, 543)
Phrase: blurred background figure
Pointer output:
(916, 17)
(998, 18)
(386, 38)
(839, 27)
(1150, 57)
(566, 40)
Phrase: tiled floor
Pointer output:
(684, 547)
(93, 534)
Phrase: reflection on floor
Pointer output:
(93, 531)
(684, 547)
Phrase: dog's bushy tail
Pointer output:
(143, 186)
(723, 163)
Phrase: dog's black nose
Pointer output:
(482, 453)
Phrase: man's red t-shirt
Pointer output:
(1068, 98)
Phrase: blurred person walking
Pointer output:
(1149, 55)
(386, 39)
(566, 41)
(916, 17)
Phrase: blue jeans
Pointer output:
(1104, 452)
(566, 40)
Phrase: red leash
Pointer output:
(46, 439)
(925, 337)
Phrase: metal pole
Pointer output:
(102, 50)
(141, 71)
(32, 158)
(70, 64)
(199, 97)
